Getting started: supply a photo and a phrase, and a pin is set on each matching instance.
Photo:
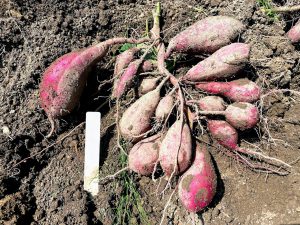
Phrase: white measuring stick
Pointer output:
(92, 152)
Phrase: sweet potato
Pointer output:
(144, 154)
(241, 90)
(197, 186)
(123, 60)
(206, 35)
(63, 82)
(222, 64)
(126, 79)
(242, 115)
(224, 133)
(294, 33)
(136, 120)
(176, 148)
(211, 103)
(164, 107)
(149, 84)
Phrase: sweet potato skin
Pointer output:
(211, 103)
(136, 119)
(63, 82)
(164, 107)
(125, 80)
(294, 33)
(222, 64)
(198, 184)
(242, 115)
(148, 84)
(144, 154)
(174, 144)
(241, 90)
(206, 35)
(224, 133)
(123, 60)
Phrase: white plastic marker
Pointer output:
(92, 152)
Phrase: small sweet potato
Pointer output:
(164, 107)
(206, 35)
(123, 60)
(222, 64)
(242, 115)
(148, 84)
(211, 103)
(197, 186)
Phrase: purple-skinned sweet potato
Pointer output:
(136, 120)
(222, 64)
(144, 155)
(176, 148)
(197, 186)
(206, 35)
(123, 60)
(126, 79)
(241, 90)
(63, 82)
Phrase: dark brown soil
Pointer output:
(48, 188)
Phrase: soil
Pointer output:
(48, 188)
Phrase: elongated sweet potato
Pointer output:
(222, 64)
(164, 107)
(176, 148)
(241, 90)
(206, 35)
(123, 60)
(136, 120)
(125, 79)
(63, 82)
(144, 154)
(197, 186)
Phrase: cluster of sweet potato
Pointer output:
(171, 145)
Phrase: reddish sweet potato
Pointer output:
(123, 60)
(294, 33)
(126, 79)
(207, 35)
(211, 103)
(164, 107)
(242, 115)
(222, 64)
(224, 133)
(144, 154)
(176, 147)
(149, 84)
(136, 120)
(63, 82)
(198, 184)
(241, 90)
